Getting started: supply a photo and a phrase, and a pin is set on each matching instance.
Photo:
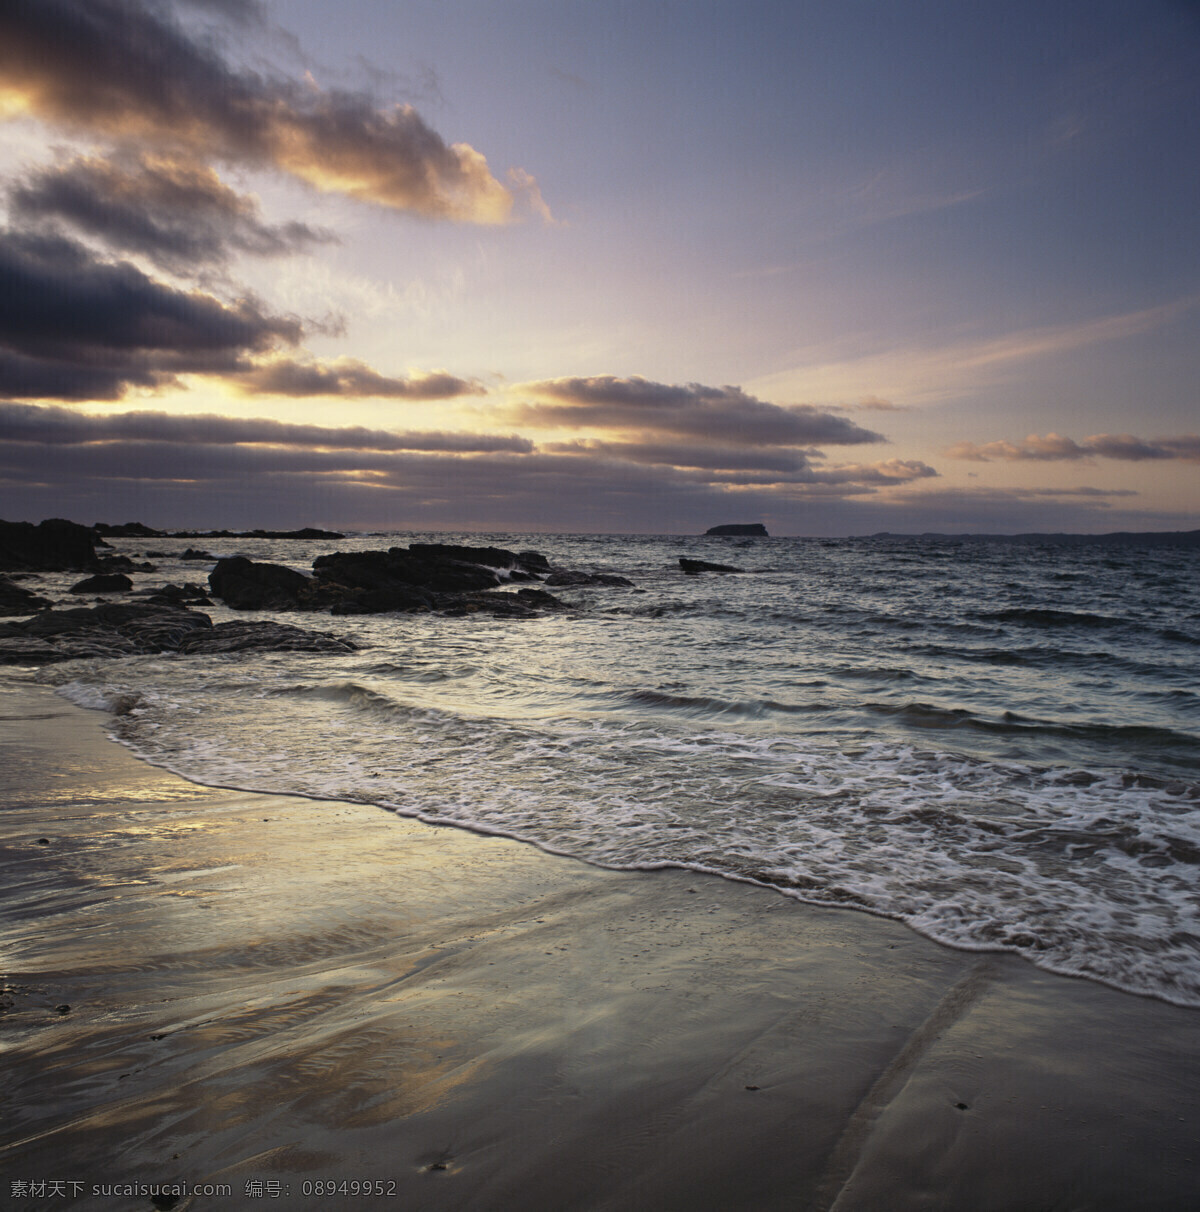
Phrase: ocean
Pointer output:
(997, 743)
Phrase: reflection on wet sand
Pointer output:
(211, 986)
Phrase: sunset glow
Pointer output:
(833, 267)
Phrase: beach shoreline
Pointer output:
(286, 992)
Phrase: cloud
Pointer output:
(1054, 447)
(76, 327)
(54, 426)
(347, 377)
(174, 211)
(128, 70)
(212, 483)
(715, 458)
(765, 466)
(1126, 446)
(692, 410)
(73, 326)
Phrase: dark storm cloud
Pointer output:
(741, 466)
(1054, 447)
(129, 70)
(50, 379)
(64, 427)
(65, 315)
(692, 410)
(239, 486)
(177, 212)
(348, 377)
(712, 457)
(100, 458)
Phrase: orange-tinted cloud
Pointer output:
(346, 377)
(126, 70)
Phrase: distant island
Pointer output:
(136, 530)
(1117, 538)
(740, 528)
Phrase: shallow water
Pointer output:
(994, 742)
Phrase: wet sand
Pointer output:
(274, 993)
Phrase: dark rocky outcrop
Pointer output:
(127, 530)
(423, 567)
(426, 576)
(308, 532)
(136, 628)
(244, 585)
(196, 553)
(522, 565)
(692, 567)
(16, 599)
(111, 629)
(244, 635)
(579, 580)
(524, 604)
(120, 563)
(740, 528)
(104, 582)
(534, 561)
(51, 546)
(187, 594)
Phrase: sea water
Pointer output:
(995, 742)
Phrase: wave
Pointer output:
(931, 716)
(709, 705)
(352, 696)
(1040, 617)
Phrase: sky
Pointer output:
(835, 266)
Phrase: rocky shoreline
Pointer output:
(450, 579)
(447, 578)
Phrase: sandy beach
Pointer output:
(272, 995)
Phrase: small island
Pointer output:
(740, 528)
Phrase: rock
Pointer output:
(740, 528)
(129, 629)
(528, 562)
(534, 561)
(194, 553)
(188, 594)
(111, 629)
(244, 585)
(16, 599)
(692, 567)
(398, 572)
(54, 545)
(105, 582)
(120, 563)
(540, 598)
(256, 636)
(425, 576)
(26, 650)
(405, 599)
(127, 530)
(524, 604)
(308, 532)
(573, 580)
